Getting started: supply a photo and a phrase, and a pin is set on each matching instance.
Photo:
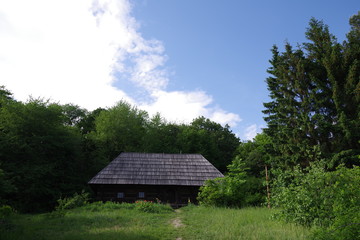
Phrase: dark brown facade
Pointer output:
(174, 195)
(166, 178)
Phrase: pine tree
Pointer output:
(314, 91)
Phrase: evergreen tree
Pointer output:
(314, 91)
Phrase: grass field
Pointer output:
(117, 221)
(249, 223)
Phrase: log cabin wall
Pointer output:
(174, 195)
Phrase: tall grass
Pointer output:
(148, 221)
(224, 223)
(94, 221)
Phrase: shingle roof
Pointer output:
(157, 169)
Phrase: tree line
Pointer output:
(49, 150)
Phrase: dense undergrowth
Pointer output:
(328, 201)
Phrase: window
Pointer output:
(141, 195)
(120, 195)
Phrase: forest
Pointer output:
(306, 161)
(49, 151)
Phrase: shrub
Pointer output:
(6, 211)
(107, 206)
(151, 207)
(254, 191)
(143, 206)
(6, 223)
(77, 200)
(328, 200)
(221, 192)
(237, 189)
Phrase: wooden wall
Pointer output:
(174, 195)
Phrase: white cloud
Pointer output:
(223, 117)
(54, 49)
(179, 106)
(73, 51)
(251, 131)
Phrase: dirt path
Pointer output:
(176, 222)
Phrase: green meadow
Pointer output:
(150, 222)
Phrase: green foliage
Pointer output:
(5, 96)
(6, 223)
(77, 200)
(216, 143)
(254, 191)
(227, 191)
(6, 211)
(151, 207)
(73, 114)
(314, 90)
(107, 206)
(255, 155)
(81, 200)
(214, 193)
(162, 136)
(6, 187)
(238, 188)
(121, 128)
(142, 206)
(313, 122)
(40, 156)
(329, 200)
(49, 150)
(87, 122)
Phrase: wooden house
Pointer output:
(168, 178)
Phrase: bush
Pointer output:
(222, 192)
(151, 207)
(143, 206)
(328, 200)
(107, 206)
(6, 211)
(237, 189)
(6, 223)
(254, 191)
(77, 200)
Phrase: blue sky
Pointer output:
(181, 58)
(223, 47)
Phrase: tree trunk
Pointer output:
(267, 187)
